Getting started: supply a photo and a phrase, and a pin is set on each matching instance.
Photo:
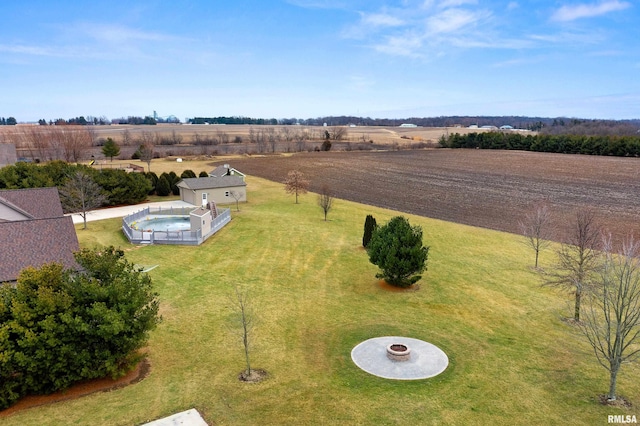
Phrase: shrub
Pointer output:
(122, 187)
(164, 187)
(61, 326)
(203, 174)
(188, 174)
(153, 179)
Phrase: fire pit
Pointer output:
(398, 352)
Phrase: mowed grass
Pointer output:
(315, 296)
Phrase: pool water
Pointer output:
(163, 223)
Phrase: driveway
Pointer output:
(111, 212)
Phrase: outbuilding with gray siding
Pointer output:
(199, 191)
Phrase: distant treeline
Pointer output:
(235, 120)
(620, 146)
(10, 121)
(558, 125)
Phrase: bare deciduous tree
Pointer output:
(80, 194)
(71, 141)
(241, 304)
(325, 200)
(286, 134)
(337, 133)
(295, 183)
(37, 141)
(578, 259)
(237, 195)
(146, 154)
(537, 229)
(126, 138)
(611, 321)
(272, 138)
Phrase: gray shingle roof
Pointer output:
(222, 171)
(211, 182)
(36, 242)
(40, 203)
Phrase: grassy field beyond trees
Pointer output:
(315, 296)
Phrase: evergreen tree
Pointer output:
(396, 248)
(164, 187)
(110, 149)
(370, 226)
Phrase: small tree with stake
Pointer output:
(240, 302)
(325, 200)
(396, 248)
(536, 228)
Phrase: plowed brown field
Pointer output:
(491, 189)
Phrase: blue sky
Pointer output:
(311, 58)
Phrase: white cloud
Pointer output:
(401, 46)
(445, 4)
(382, 20)
(579, 11)
(119, 33)
(452, 20)
(29, 50)
(318, 4)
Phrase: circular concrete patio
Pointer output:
(427, 360)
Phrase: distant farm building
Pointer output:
(408, 125)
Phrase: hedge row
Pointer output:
(121, 187)
(620, 146)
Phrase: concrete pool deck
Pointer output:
(111, 212)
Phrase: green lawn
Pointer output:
(512, 358)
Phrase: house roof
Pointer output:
(223, 170)
(38, 203)
(211, 182)
(36, 242)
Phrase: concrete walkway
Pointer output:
(111, 212)
(186, 418)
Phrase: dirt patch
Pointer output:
(620, 402)
(388, 287)
(485, 188)
(82, 389)
(257, 375)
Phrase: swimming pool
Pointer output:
(162, 223)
